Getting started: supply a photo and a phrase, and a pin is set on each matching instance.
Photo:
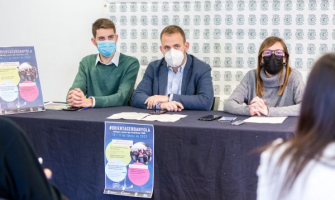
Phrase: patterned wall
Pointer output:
(227, 34)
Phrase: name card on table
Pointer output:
(20, 88)
(129, 159)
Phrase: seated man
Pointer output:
(105, 79)
(21, 175)
(176, 82)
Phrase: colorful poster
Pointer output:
(20, 88)
(129, 159)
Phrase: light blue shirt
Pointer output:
(175, 81)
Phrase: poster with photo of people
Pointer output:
(129, 160)
(20, 87)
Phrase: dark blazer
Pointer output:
(196, 90)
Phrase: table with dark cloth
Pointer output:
(193, 159)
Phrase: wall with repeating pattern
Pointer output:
(227, 34)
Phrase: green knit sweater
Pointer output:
(108, 84)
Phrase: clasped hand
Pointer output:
(76, 98)
(257, 107)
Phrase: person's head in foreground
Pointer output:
(304, 166)
(21, 174)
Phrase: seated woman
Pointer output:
(274, 89)
(21, 175)
(304, 166)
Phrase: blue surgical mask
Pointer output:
(107, 47)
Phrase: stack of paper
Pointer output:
(55, 105)
(147, 116)
(128, 115)
(164, 117)
(268, 120)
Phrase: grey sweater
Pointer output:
(279, 106)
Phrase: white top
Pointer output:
(315, 182)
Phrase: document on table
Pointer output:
(129, 115)
(164, 117)
(265, 120)
(147, 116)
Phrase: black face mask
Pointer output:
(273, 64)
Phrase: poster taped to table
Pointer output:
(129, 159)
(20, 88)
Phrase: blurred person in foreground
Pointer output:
(21, 175)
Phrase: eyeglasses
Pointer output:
(277, 52)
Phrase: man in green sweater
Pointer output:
(105, 79)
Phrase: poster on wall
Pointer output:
(129, 160)
(20, 88)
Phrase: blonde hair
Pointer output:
(259, 82)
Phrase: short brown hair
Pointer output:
(259, 82)
(173, 29)
(102, 23)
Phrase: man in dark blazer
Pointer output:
(176, 82)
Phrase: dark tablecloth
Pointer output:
(193, 159)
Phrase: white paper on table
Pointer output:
(265, 120)
(164, 117)
(128, 115)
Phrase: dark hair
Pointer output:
(316, 122)
(268, 42)
(173, 29)
(102, 23)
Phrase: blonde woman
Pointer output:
(273, 89)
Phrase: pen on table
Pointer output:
(85, 108)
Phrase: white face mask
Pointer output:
(174, 58)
